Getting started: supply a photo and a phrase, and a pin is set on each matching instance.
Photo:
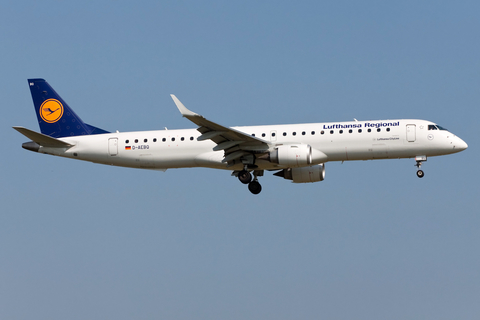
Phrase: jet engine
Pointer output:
(304, 174)
(296, 155)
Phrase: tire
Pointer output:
(420, 173)
(244, 176)
(255, 187)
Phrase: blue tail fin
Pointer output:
(55, 117)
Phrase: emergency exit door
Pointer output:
(113, 146)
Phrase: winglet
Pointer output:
(183, 110)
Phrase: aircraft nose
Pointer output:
(460, 145)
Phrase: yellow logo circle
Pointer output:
(51, 110)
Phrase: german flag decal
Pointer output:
(128, 148)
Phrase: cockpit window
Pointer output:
(441, 128)
(436, 127)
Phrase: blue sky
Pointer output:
(372, 241)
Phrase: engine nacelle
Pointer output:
(296, 155)
(304, 175)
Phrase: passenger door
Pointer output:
(411, 133)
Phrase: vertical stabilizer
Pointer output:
(55, 117)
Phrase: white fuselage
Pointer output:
(339, 141)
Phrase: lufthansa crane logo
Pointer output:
(51, 110)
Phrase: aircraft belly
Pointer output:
(379, 151)
(211, 159)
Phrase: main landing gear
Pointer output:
(255, 187)
(245, 177)
(420, 160)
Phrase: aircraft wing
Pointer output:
(235, 143)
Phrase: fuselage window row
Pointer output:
(155, 140)
(273, 135)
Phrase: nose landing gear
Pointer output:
(420, 160)
(420, 173)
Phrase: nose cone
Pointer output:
(460, 145)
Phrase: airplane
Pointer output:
(297, 152)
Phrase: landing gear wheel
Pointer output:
(254, 187)
(244, 176)
(420, 173)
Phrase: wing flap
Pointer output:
(210, 135)
(226, 145)
(234, 155)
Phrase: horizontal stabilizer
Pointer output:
(42, 139)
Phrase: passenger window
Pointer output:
(136, 140)
(164, 139)
(145, 140)
(331, 131)
(359, 130)
(303, 133)
(388, 129)
(341, 131)
(154, 139)
(191, 138)
(284, 134)
(322, 132)
(253, 134)
(350, 131)
(263, 134)
(182, 138)
(173, 139)
(313, 133)
(378, 129)
(273, 134)
(126, 141)
(369, 130)
(294, 133)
